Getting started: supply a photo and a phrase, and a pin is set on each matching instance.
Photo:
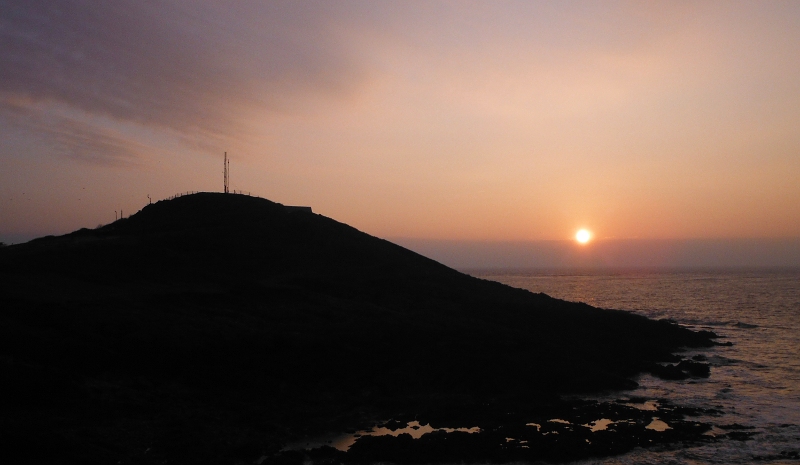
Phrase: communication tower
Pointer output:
(226, 172)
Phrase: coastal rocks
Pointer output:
(683, 370)
(783, 455)
(738, 432)
(564, 431)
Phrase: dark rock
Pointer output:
(668, 372)
(734, 426)
(791, 454)
(683, 370)
(741, 435)
(394, 424)
(700, 370)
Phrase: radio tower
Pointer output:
(226, 164)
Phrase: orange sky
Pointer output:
(476, 121)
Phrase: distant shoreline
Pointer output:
(611, 253)
(557, 271)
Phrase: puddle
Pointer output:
(343, 442)
(558, 420)
(599, 425)
(522, 444)
(658, 425)
(648, 406)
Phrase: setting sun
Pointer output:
(583, 236)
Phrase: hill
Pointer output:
(218, 327)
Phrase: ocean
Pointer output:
(755, 382)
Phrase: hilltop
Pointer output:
(217, 327)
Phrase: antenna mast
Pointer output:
(225, 172)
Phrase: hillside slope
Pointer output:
(214, 327)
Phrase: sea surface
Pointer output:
(755, 382)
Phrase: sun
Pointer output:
(583, 236)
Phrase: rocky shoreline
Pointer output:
(574, 430)
(218, 328)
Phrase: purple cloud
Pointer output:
(193, 68)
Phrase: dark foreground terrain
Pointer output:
(217, 328)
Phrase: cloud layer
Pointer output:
(192, 67)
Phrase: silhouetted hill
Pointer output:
(212, 327)
(234, 240)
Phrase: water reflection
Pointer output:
(343, 442)
(599, 425)
(658, 425)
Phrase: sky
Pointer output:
(448, 127)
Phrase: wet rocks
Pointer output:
(741, 435)
(685, 369)
(563, 431)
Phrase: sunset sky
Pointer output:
(448, 123)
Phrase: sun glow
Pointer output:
(583, 236)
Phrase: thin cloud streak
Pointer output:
(178, 66)
(73, 135)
